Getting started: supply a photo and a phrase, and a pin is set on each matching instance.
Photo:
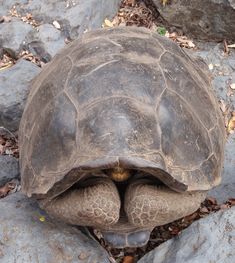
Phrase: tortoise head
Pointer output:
(124, 204)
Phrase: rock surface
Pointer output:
(208, 20)
(14, 88)
(48, 25)
(27, 235)
(12, 36)
(226, 189)
(223, 74)
(211, 239)
(9, 169)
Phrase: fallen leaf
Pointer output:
(204, 210)
(164, 2)
(210, 66)
(212, 200)
(5, 189)
(56, 24)
(42, 218)
(223, 206)
(231, 124)
(223, 106)
(107, 23)
(231, 201)
(232, 86)
(128, 259)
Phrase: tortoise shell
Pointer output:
(121, 97)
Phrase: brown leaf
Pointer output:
(223, 106)
(191, 217)
(128, 259)
(4, 190)
(204, 210)
(223, 206)
(231, 201)
(212, 200)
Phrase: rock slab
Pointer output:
(14, 88)
(209, 240)
(53, 24)
(226, 189)
(207, 20)
(223, 74)
(27, 235)
(9, 169)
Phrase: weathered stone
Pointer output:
(12, 35)
(73, 18)
(207, 20)
(45, 42)
(223, 72)
(226, 189)
(211, 239)
(28, 235)
(14, 88)
(9, 169)
(222, 76)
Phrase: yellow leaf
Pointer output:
(42, 218)
(107, 23)
(6, 66)
(231, 124)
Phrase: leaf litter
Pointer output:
(143, 13)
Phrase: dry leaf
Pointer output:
(107, 23)
(212, 200)
(4, 190)
(223, 106)
(231, 124)
(128, 259)
(232, 86)
(164, 2)
(210, 66)
(56, 24)
(204, 210)
(231, 201)
(223, 206)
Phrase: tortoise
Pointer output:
(121, 133)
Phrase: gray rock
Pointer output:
(222, 75)
(211, 239)
(28, 235)
(207, 20)
(45, 42)
(226, 189)
(73, 17)
(12, 35)
(14, 88)
(223, 72)
(9, 169)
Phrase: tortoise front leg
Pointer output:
(95, 205)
